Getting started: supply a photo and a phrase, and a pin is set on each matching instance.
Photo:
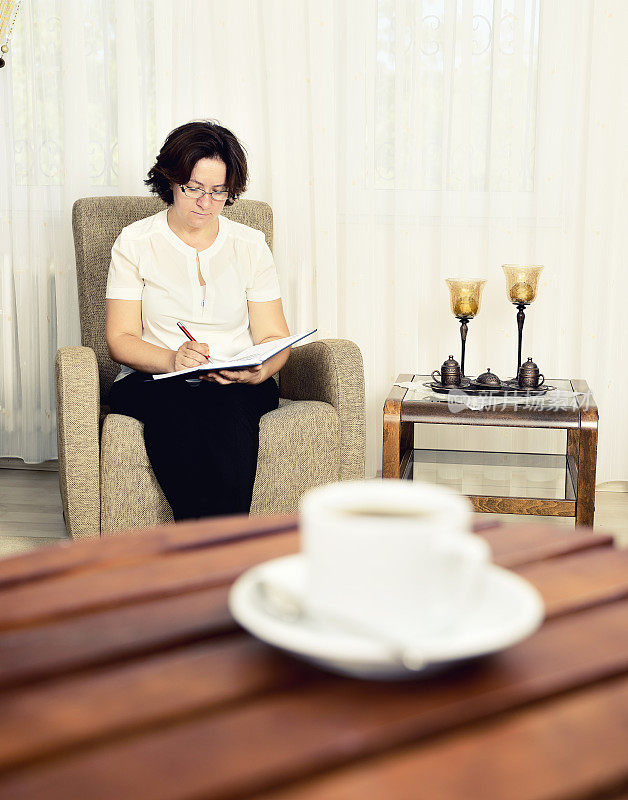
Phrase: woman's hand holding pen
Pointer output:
(196, 354)
(190, 354)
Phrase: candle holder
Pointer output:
(465, 297)
(521, 287)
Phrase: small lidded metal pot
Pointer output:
(488, 379)
(529, 376)
(449, 374)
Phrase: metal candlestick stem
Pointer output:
(521, 318)
(463, 339)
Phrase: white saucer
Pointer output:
(506, 610)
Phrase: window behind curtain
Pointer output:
(37, 91)
(455, 95)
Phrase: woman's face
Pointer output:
(197, 213)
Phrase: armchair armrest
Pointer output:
(78, 408)
(332, 371)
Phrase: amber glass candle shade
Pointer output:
(521, 283)
(465, 297)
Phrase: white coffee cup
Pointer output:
(395, 558)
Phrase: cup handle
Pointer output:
(541, 380)
(463, 561)
(472, 550)
(438, 379)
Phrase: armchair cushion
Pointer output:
(290, 461)
(129, 492)
(299, 449)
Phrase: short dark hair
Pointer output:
(186, 145)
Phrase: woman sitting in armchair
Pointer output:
(190, 265)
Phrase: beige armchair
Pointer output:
(107, 484)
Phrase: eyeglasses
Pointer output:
(196, 192)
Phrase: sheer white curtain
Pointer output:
(74, 124)
(489, 133)
(399, 142)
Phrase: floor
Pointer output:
(30, 510)
(31, 516)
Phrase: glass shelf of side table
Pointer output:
(531, 475)
(515, 483)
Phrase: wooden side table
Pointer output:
(578, 416)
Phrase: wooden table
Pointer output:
(123, 677)
(578, 417)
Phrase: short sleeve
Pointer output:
(124, 281)
(264, 284)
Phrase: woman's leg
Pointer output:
(202, 441)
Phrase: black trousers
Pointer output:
(202, 441)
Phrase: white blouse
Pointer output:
(149, 262)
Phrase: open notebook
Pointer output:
(250, 357)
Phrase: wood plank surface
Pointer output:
(51, 649)
(128, 548)
(518, 544)
(587, 455)
(201, 558)
(128, 678)
(188, 570)
(67, 643)
(522, 505)
(50, 718)
(137, 694)
(571, 748)
(397, 436)
(290, 735)
(104, 637)
(567, 652)
(580, 579)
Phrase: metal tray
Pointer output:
(464, 385)
(507, 389)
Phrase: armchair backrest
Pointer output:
(96, 223)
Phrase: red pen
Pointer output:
(187, 333)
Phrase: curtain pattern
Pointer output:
(455, 89)
(399, 142)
